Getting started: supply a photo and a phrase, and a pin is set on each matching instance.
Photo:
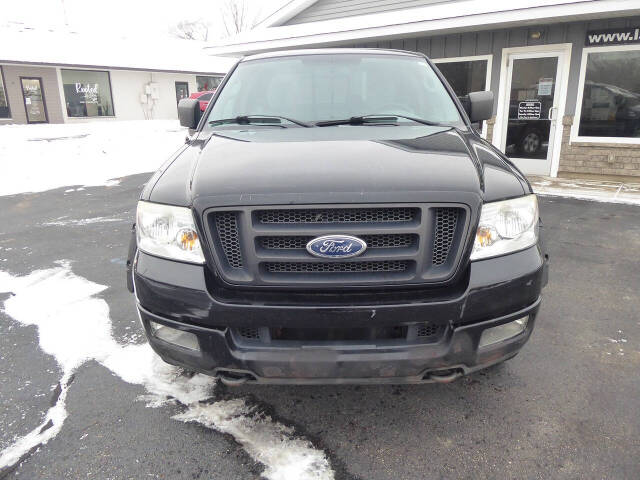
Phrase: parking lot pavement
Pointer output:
(566, 407)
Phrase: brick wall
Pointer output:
(598, 158)
(490, 124)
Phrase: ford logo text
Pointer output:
(336, 246)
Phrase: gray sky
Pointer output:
(133, 18)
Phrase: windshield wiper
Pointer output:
(376, 119)
(258, 120)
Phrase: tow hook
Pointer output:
(444, 376)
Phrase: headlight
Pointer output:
(168, 231)
(506, 227)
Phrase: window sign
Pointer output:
(529, 110)
(207, 83)
(87, 93)
(611, 95)
(545, 87)
(4, 104)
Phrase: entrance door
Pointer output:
(182, 91)
(533, 103)
(33, 97)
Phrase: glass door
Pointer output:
(531, 110)
(182, 91)
(33, 96)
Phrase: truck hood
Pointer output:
(337, 165)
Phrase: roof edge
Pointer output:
(106, 67)
(285, 13)
(353, 29)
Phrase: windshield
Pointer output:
(316, 88)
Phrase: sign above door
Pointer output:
(613, 36)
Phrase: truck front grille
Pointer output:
(338, 215)
(372, 241)
(226, 228)
(417, 333)
(336, 267)
(445, 230)
(406, 244)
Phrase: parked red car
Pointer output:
(203, 98)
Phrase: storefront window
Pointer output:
(611, 95)
(207, 83)
(466, 76)
(87, 93)
(4, 103)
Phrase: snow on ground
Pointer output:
(35, 158)
(595, 190)
(74, 327)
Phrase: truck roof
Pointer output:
(329, 51)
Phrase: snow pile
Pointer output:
(41, 157)
(74, 327)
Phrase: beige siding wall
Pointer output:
(12, 74)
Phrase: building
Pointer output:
(566, 73)
(61, 77)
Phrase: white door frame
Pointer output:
(563, 51)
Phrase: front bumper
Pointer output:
(496, 291)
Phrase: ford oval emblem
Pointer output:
(336, 246)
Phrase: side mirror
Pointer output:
(189, 112)
(480, 106)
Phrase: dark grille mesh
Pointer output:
(338, 215)
(341, 267)
(446, 220)
(250, 333)
(372, 241)
(427, 330)
(227, 228)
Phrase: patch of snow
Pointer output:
(74, 327)
(82, 221)
(267, 441)
(91, 153)
(609, 192)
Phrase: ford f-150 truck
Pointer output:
(334, 217)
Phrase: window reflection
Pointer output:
(465, 77)
(531, 101)
(205, 83)
(611, 99)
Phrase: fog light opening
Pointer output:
(503, 332)
(174, 336)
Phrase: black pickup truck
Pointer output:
(334, 217)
